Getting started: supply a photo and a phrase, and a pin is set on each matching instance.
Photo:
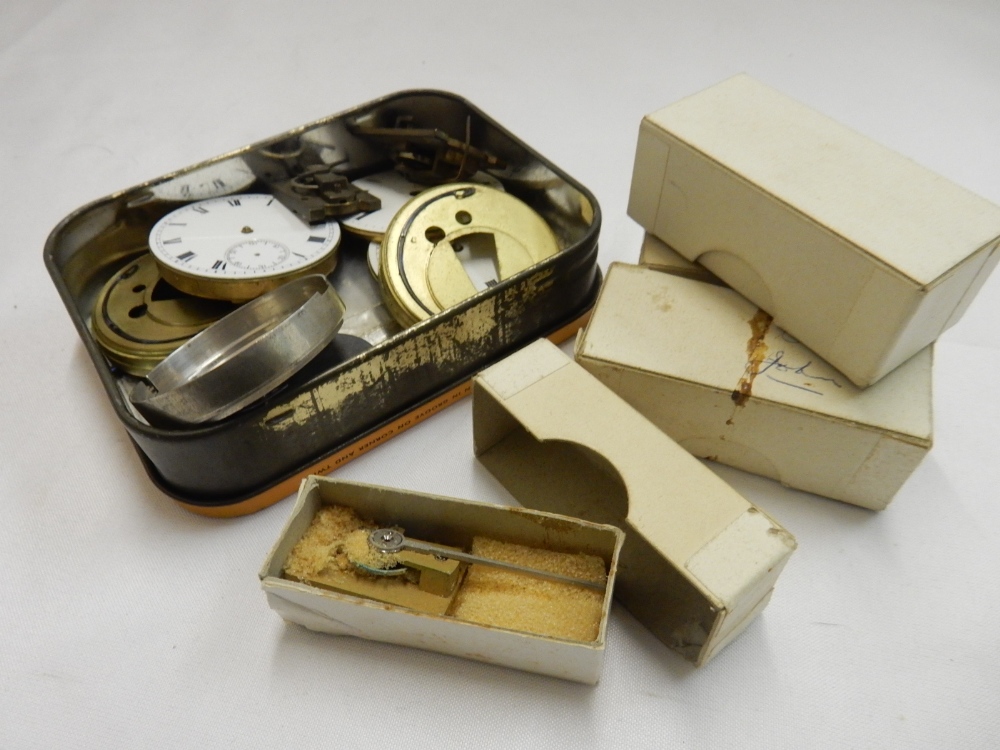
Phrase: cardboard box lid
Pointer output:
(917, 222)
(739, 349)
(699, 560)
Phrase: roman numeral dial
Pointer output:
(239, 246)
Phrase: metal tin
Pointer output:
(350, 398)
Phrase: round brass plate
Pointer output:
(139, 318)
(452, 241)
(393, 190)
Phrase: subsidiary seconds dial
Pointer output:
(238, 247)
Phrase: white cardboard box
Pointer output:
(699, 561)
(445, 521)
(655, 253)
(711, 370)
(857, 251)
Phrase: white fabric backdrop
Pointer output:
(128, 622)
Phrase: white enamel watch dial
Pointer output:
(240, 246)
(212, 181)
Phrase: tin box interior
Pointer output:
(371, 374)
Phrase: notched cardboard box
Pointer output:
(699, 561)
(856, 250)
(713, 371)
(657, 254)
(454, 522)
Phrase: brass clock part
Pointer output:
(421, 269)
(139, 318)
(430, 155)
(320, 193)
(393, 190)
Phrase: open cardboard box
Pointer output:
(452, 522)
(699, 561)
